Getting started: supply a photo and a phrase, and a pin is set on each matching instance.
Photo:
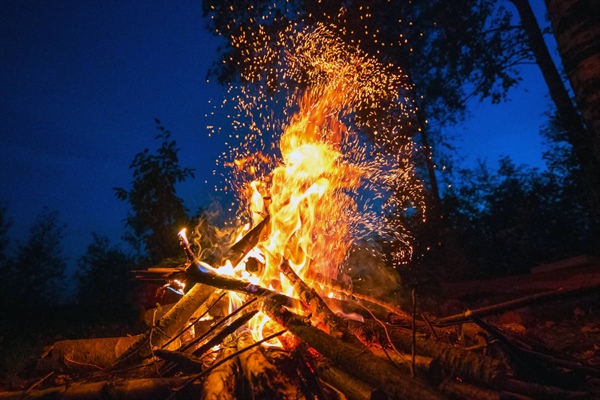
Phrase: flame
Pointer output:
(311, 194)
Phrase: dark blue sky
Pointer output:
(82, 80)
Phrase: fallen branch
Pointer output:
(264, 379)
(220, 382)
(167, 326)
(512, 304)
(468, 365)
(354, 360)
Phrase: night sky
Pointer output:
(81, 82)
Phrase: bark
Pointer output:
(220, 383)
(167, 326)
(426, 368)
(467, 365)
(357, 361)
(85, 355)
(265, 381)
(133, 389)
(576, 27)
(352, 388)
(209, 276)
(317, 306)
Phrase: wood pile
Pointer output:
(196, 349)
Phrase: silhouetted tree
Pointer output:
(5, 224)
(519, 217)
(39, 265)
(104, 277)
(157, 213)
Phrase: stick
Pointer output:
(205, 274)
(167, 326)
(315, 303)
(512, 304)
(467, 365)
(354, 360)
(352, 388)
(265, 380)
(220, 382)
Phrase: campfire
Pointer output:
(276, 317)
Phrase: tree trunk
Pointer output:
(576, 26)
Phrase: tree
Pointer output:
(5, 224)
(39, 265)
(585, 147)
(451, 51)
(519, 217)
(105, 269)
(157, 213)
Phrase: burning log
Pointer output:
(354, 360)
(316, 305)
(238, 251)
(219, 384)
(204, 273)
(265, 381)
(167, 326)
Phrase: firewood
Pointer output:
(133, 389)
(166, 327)
(238, 251)
(204, 273)
(219, 384)
(468, 365)
(315, 303)
(351, 387)
(265, 381)
(466, 391)
(85, 355)
(427, 368)
(357, 361)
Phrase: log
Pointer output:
(166, 327)
(204, 273)
(467, 365)
(133, 389)
(357, 361)
(317, 306)
(85, 355)
(352, 388)
(219, 384)
(264, 379)
(426, 368)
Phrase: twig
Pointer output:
(223, 360)
(512, 304)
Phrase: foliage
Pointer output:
(450, 51)
(157, 213)
(518, 217)
(38, 267)
(104, 269)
